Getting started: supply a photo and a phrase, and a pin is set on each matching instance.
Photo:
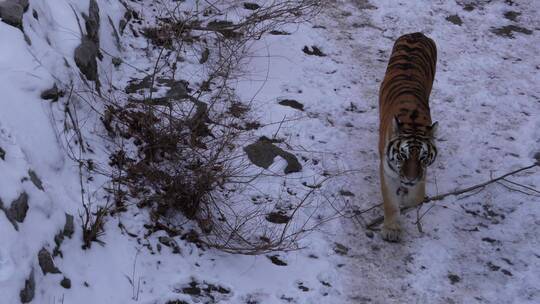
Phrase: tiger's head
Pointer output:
(410, 151)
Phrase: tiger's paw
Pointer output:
(391, 233)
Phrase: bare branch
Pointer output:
(376, 222)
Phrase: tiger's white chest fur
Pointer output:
(407, 196)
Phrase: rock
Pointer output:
(364, 5)
(116, 61)
(124, 22)
(204, 56)
(59, 237)
(292, 103)
(276, 260)
(27, 293)
(204, 292)
(341, 249)
(302, 287)
(536, 157)
(454, 278)
(17, 210)
(2, 154)
(225, 28)
(169, 242)
(263, 152)
(314, 51)
(179, 89)
(66, 283)
(35, 180)
(219, 24)
(87, 52)
(343, 192)
(85, 58)
(58, 240)
(454, 19)
(46, 262)
(91, 22)
(136, 85)
(511, 15)
(19, 207)
(52, 94)
(279, 217)
(251, 6)
(277, 32)
(12, 12)
(69, 227)
(508, 31)
(24, 4)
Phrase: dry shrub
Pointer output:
(180, 151)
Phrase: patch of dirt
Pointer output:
(204, 292)
(276, 260)
(313, 51)
(512, 15)
(508, 31)
(292, 103)
(455, 19)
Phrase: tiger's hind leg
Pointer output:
(391, 230)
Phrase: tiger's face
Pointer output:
(409, 154)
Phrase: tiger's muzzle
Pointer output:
(412, 169)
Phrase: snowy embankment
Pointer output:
(320, 79)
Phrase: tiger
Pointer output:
(406, 132)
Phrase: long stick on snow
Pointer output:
(376, 222)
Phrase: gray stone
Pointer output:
(509, 30)
(19, 207)
(27, 293)
(58, 239)
(87, 52)
(69, 227)
(278, 217)
(35, 180)
(292, 103)
(85, 58)
(24, 4)
(263, 152)
(66, 283)
(52, 94)
(91, 21)
(455, 19)
(46, 262)
(11, 13)
(251, 6)
(17, 210)
(169, 242)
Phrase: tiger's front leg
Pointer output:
(391, 230)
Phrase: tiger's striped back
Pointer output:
(406, 87)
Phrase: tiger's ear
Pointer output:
(433, 129)
(396, 125)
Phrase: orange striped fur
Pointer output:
(406, 130)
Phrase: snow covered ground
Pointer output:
(481, 248)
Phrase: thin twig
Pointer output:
(376, 222)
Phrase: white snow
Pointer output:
(482, 248)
